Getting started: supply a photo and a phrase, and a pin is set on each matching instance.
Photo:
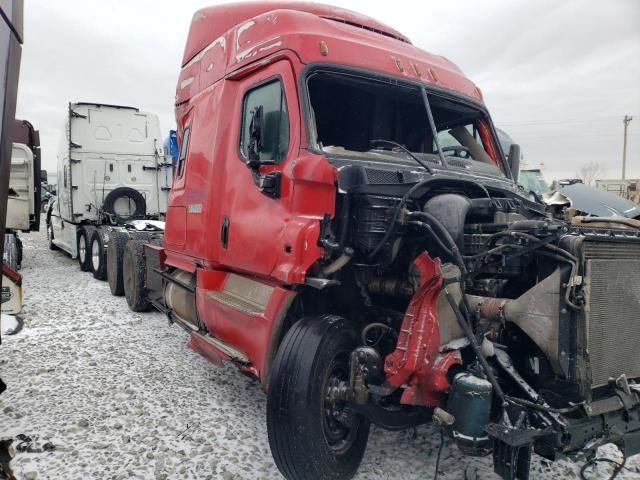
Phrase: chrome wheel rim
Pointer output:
(95, 254)
(82, 249)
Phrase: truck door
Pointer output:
(264, 139)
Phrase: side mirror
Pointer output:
(513, 158)
(256, 136)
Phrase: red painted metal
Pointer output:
(416, 363)
(207, 350)
(11, 274)
(231, 48)
(210, 23)
(250, 333)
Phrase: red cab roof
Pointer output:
(210, 23)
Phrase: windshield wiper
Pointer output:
(404, 149)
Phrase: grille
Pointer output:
(613, 313)
(383, 176)
(458, 163)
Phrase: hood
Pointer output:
(594, 201)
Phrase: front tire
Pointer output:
(312, 434)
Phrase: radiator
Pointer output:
(612, 311)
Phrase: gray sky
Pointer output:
(557, 75)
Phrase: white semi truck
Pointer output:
(111, 172)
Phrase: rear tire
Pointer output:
(84, 258)
(98, 256)
(115, 253)
(307, 437)
(133, 275)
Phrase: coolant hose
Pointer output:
(339, 262)
(453, 247)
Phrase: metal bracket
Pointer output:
(74, 160)
(75, 114)
(169, 278)
(74, 145)
(320, 283)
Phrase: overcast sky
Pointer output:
(557, 75)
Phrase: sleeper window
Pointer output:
(274, 128)
(183, 151)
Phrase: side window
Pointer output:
(183, 152)
(264, 133)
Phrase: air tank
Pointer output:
(470, 403)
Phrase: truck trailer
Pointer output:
(345, 227)
(111, 172)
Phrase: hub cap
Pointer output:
(82, 248)
(340, 424)
(95, 254)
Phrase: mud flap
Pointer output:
(513, 446)
(511, 463)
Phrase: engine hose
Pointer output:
(453, 247)
(369, 327)
(466, 328)
(433, 235)
(523, 251)
(568, 291)
(338, 263)
(396, 214)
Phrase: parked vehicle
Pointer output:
(592, 201)
(344, 226)
(23, 212)
(111, 171)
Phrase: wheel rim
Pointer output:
(82, 249)
(95, 254)
(339, 423)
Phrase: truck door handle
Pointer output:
(224, 232)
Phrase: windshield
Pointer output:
(350, 112)
(533, 181)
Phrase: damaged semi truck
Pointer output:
(345, 227)
(112, 175)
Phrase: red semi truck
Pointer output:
(344, 226)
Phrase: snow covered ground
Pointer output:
(106, 393)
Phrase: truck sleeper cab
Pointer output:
(111, 171)
(344, 226)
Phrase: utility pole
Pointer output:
(626, 121)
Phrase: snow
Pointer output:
(106, 393)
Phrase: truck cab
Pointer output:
(345, 227)
(111, 170)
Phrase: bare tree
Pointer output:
(591, 172)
